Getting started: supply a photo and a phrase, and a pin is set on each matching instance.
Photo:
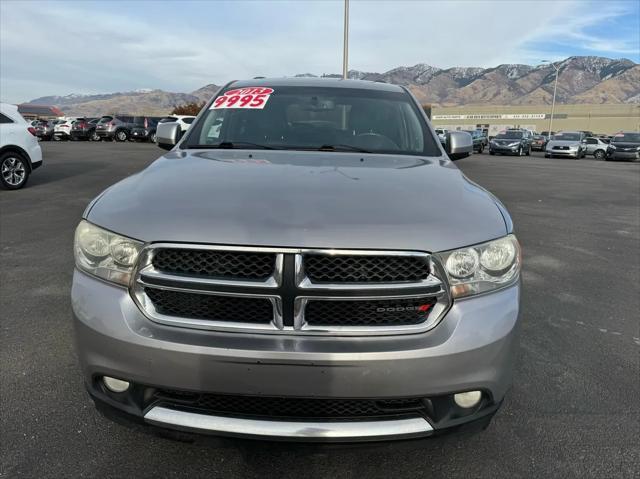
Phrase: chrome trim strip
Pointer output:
(183, 420)
(146, 305)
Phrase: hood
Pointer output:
(553, 143)
(506, 141)
(626, 144)
(301, 199)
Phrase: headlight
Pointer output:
(482, 268)
(515, 143)
(613, 147)
(104, 254)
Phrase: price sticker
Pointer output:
(251, 97)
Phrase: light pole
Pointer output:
(345, 47)
(555, 87)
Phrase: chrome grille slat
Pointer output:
(348, 298)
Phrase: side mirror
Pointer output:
(458, 144)
(168, 135)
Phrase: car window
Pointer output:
(168, 119)
(188, 120)
(567, 136)
(5, 119)
(105, 119)
(509, 135)
(592, 141)
(311, 117)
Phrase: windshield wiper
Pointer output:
(342, 147)
(230, 145)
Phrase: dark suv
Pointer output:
(511, 142)
(479, 140)
(118, 127)
(146, 131)
(84, 129)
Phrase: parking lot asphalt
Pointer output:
(573, 410)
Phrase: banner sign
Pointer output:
(494, 116)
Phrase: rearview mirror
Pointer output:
(458, 144)
(168, 135)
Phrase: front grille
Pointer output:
(273, 291)
(215, 264)
(210, 307)
(388, 312)
(291, 408)
(560, 147)
(365, 268)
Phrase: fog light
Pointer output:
(468, 399)
(115, 385)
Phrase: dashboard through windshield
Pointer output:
(314, 118)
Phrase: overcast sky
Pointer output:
(58, 47)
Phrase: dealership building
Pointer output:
(600, 119)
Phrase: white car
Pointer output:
(442, 134)
(183, 120)
(62, 130)
(20, 152)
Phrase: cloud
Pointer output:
(64, 47)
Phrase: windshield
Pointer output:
(509, 135)
(310, 118)
(105, 119)
(626, 137)
(567, 136)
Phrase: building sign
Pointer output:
(495, 116)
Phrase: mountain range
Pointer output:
(581, 79)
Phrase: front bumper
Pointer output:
(473, 348)
(509, 150)
(564, 153)
(625, 155)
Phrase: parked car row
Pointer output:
(566, 144)
(108, 127)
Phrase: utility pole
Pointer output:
(553, 103)
(345, 47)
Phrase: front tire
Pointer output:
(481, 149)
(152, 138)
(599, 154)
(528, 151)
(14, 171)
(122, 135)
(520, 151)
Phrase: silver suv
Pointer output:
(321, 271)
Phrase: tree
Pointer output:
(188, 109)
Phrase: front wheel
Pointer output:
(481, 149)
(122, 135)
(520, 151)
(599, 154)
(14, 171)
(152, 138)
(529, 151)
(94, 137)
